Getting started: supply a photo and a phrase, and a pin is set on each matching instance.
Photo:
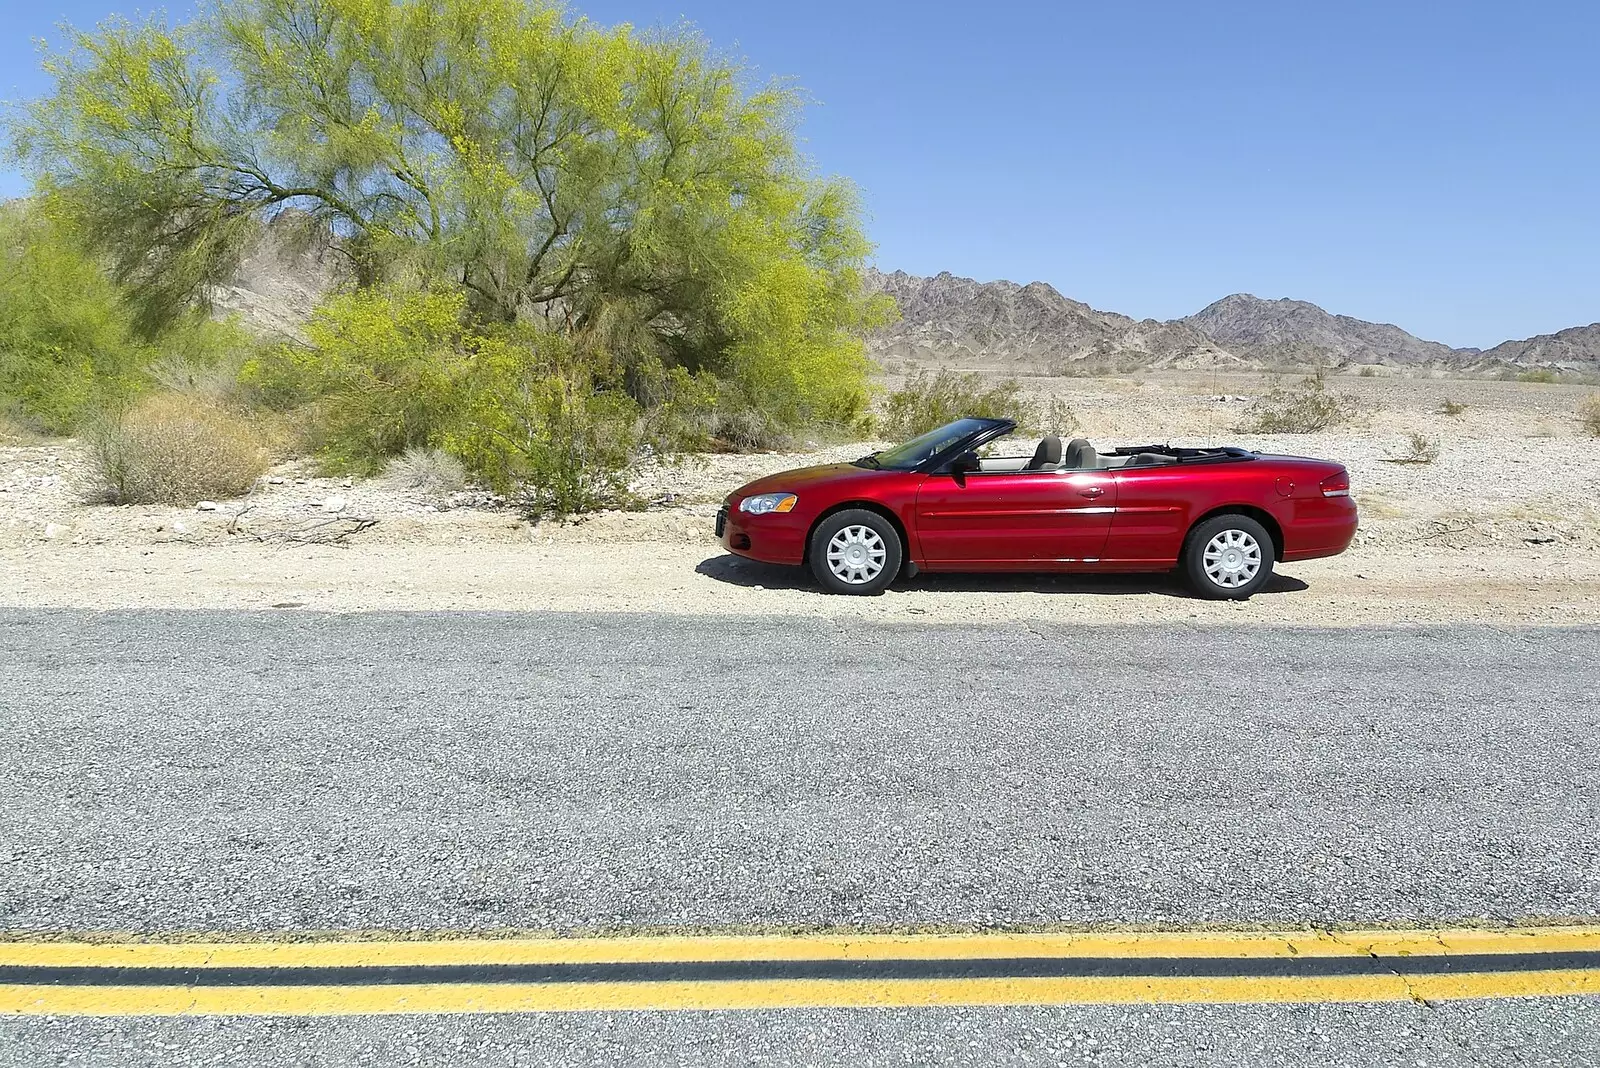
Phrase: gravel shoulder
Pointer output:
(1357, 589)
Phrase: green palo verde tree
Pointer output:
(630, 192)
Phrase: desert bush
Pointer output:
(70, 343)
(1589, 415)
(173, 448)
(1451, 407)
(546, 434)
(930, 400)
(431, 471)
(1542, 375)
(1304, 408)
(67, 342)
(17, 427)
(1369, 372)
(745, 428)
(1419, 448)
(380, 371)
(548, 419)
(1053, 416)
(202, 357)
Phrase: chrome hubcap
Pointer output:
(1232, 558)
(857, 555)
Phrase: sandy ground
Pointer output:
(1503, 527)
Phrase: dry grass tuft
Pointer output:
(1589, 415)
(18, 429)
(173, 448)
(1419, 449)
(1451, 407)
(431, 471)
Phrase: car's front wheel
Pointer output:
(1228, 557)
(855, 551)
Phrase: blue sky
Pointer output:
(1435, 165)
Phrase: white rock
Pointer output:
(54, 530)
(334, 504)
(178, 527)
(275, 480)
(206, 506)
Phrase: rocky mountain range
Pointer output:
(956, 321)
(951, 320)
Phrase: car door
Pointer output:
(1154, 508)
(1046, 520)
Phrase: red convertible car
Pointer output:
(1223, 516)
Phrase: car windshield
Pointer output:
(908, 456)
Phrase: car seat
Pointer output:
(1047, 457)
(1081, 456)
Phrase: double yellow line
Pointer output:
(355, 975)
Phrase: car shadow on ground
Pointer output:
(738, 571)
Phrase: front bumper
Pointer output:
(774, 538)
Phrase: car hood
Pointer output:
(797, 480)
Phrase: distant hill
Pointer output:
(1574, 347)
(948, 319)
(1299, 332)
(951, 319)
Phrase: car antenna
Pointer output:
(1211, 424)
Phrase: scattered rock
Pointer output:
(334, 504)
(275, 480)
(206, 506)
(290, 604)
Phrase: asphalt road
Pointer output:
(278, 771)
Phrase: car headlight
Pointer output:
(762, 503)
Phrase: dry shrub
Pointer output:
(173, 448)
(1589, 414)
(1451, 407)
(431, 471)
(1305, 408)
(931, 400)
(1419, 449)
(1055, 416)
(747, 429)
(17, 428)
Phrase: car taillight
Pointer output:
(1336, 485)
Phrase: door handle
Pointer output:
(1091, 491)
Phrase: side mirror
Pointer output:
(967, 461)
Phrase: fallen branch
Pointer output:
(331, 531)
(1444, 531)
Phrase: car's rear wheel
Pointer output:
(855, 551)
(1228, 557)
